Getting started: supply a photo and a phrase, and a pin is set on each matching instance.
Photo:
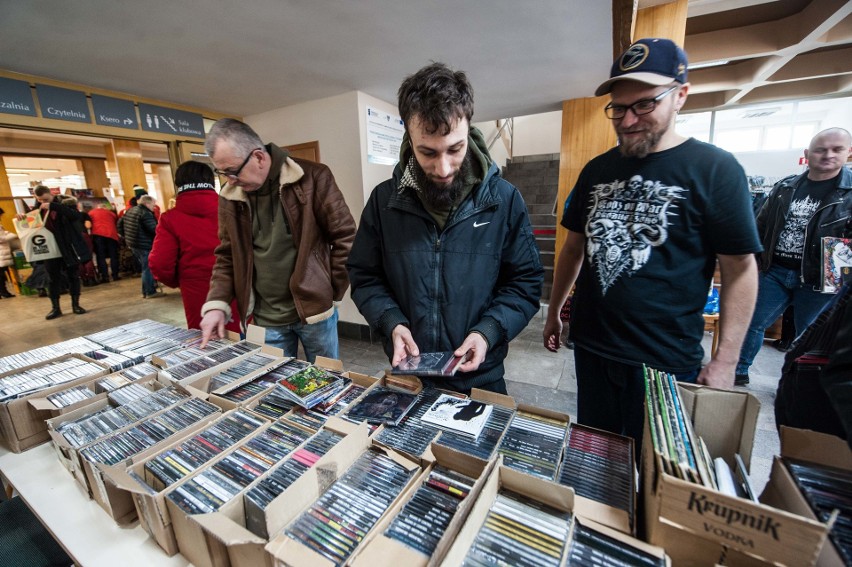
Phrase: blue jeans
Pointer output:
(148, 285)
(780, 287)
(611, 394)
(318, 339)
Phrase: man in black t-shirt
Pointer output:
(800, 211)
(646, 224)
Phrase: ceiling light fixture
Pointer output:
(761, 112)
(694, 66)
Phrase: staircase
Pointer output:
(537, 178)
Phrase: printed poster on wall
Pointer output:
(384, 137)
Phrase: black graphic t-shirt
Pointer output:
(807, 199)
(653, 227)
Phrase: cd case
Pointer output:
(461, 415)
(430, 364)
(383, 405)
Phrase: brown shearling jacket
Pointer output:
(323, 231)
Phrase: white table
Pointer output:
(81, 527)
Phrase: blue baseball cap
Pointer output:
(653, 61)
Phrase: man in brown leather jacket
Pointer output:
(286, 232)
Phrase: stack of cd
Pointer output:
(80, 345)
(221, 482)
(173, 464)
(88, 428)
(123, 377)
(120, 446)
(258, 384)
(339, 520)
(520, 531)
(828, 491)
(484, 445)
(423, 520)
(599, 465)
(281, 477)
(412, 436)
(590, 547)
(71, 396)
(311, 386)
(533, 444)
(46, 376)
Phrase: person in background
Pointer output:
(286, 232)
(6, 258)
(182, 255)
(445, 258)
(648, 221)
(138, 227)
(105, 240)
(65, 223)
(88, 273)
(800, 211)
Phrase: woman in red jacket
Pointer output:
(182, 255)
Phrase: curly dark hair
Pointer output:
(438, 96)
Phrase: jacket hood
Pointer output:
(202, 203)
(290, 172)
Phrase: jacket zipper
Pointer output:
(437, 287)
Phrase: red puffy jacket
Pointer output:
(182, 255)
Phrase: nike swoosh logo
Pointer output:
(478, 224)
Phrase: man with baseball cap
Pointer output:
(646, 224)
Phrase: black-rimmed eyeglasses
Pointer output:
(640, 107)
(235, 174)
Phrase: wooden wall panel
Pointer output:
(664, 20)
(586, 133)
(94, 171)
(126, 157)
(6, 198)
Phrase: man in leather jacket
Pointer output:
(285, 233)
(800, 211)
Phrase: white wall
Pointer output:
(773, 165)
(538, 134)
(334, 123)
(371, 173)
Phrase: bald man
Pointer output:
(800, 211)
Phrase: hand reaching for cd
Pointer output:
(403, 344)
(473, 349)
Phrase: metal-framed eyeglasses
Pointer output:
(640, 107)
(236, 173)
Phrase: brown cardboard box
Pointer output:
(65, 452)
(781, 490)
(222, 539)
(699, 526)
(151, 503)
(22, 425)
(547, 492)
(378, 550)
(287, 551)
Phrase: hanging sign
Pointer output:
(171, 121)
(16, 97)
(114, 112)
(63, 104)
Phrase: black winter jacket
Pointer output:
(66, 225)
(481, 273)
(138, 227)
(831, 219)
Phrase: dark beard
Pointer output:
(643, 147)
(442, 197)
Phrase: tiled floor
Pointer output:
(534, 375)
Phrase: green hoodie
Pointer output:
(481, 163)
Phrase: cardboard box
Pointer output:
(22, 425)
(781, 490)
(699, 526)
(378, 550)
(222, 539)
(64, 451)
(150, 503)
(305, 491)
